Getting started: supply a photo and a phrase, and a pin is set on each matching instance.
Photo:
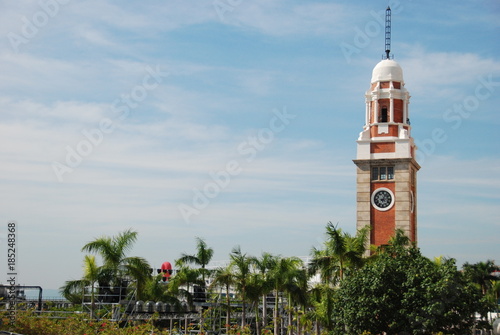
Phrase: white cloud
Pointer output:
(273, 18)
(433, 72)
(94, 36)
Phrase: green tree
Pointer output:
(202, 258)
(482, 274)
(321, 299)
(223, 277)
(256, 286)
(197, 277)
(494, 294)
(240, 267)
(296, 290)
(158, 290)
(180, 283)
(341, 255)
(74, 290)
(287, 277)
(401, 291)
(341, 252)
(113, 251)
(263, 265)
(397, 244)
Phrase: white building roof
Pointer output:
(387, 70)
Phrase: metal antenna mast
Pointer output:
(388, 32)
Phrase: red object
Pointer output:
(166, 269)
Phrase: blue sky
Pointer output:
(119, 114)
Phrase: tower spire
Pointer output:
(388, 32)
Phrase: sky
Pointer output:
(234, 121)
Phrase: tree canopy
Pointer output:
(402, 292)
(344, 289)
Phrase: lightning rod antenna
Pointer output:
(388, 32)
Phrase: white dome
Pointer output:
(387, 70)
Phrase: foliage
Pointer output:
(29, 324)
(187, 277)
(117, 268)
(240, 267)
(287, 276)
(237, 330)
(156, 289)
(341, 256)
(396, 290)
(263, 267)
(113, 251)
(341, 253)
(481, 274)
(92, 275)
(402, 291)
(223, 277)
(202, 257)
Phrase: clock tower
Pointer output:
(386, 178)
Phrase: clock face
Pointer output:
(382, 199)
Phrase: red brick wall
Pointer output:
(398, 110)
(383, 223)
(393, 131)
(382, 147)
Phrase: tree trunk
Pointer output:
(243, 313)
(257, 321)
(228, 313)
(264, 312)
(92, 302)
(298, 324)
(275, 313)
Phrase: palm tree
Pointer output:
(157, 290)
(296, 289)
(482, 274)
(179, 284)
(113, 253)
(254, 291)
(240, 267)
(397, 244)
(494, 292)
(203, 256)
(197, 277)
(223, 277)
(342, 252)
(321, 299)
(286, 278)
(263, 265)
(73, 290)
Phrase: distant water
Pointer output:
(46, 294)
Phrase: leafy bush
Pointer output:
(404, 292)
(30, 324)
